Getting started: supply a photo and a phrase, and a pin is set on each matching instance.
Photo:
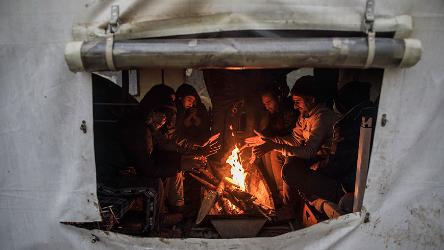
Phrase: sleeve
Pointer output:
(204, 126)
(174, 143)
(180, 128)
(264, 127)
(149, 141)
(294, 139)
(291, 119)
(320, 130)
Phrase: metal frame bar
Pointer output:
(365, 141)
(242, 53)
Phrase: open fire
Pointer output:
(245, 192)
(243, 202)
(237, 171)
(234, 191)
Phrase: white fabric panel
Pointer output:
(405, 195)
(47, 163)
(154, 18)
(320, 236)
(47, 168)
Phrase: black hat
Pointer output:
(305, 86)
(186, 90)
(158, 95)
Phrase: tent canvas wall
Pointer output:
(47, 162)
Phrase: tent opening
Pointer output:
(154, 189)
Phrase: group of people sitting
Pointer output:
(307, 146)
(169, 129)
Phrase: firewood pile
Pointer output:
(231, 200)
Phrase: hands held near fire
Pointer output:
(264, 148)
(260, 143)
(192, 118)
(210, 147)
(156, 119)
(199, 158)
(255, 140)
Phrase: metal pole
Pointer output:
(365, 139)
(243, 53)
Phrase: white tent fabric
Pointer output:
(141, 19)
(47, 162)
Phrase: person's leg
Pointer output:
(277, 161)
(298, 176)
(271, 178)
(266, 160)
(162, 195)
(290, 200)
(171, 214)
(288, 171)
(165, 163)
(174, 190)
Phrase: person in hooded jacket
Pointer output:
(193, 122)
(152, 146)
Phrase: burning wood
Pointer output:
(234, 198)
(231, 182)
(204, 182)
(235, 201)
(225, 192)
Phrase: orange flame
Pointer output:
(237, 171)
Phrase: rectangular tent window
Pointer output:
(137, 208)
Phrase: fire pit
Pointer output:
(237, 200)
(238, 226)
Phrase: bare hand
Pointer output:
(264, 148)
(211, 146)
(192, 111)
(156, 119)
(194, 117)
(255, 140)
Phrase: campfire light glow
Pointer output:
(237, 171)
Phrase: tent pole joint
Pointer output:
(369, 29)
(109, 53)
(114, 21)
